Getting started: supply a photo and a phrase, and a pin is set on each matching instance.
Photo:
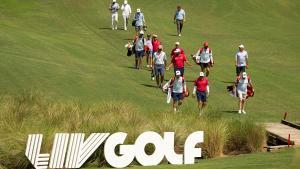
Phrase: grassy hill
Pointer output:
(67, 50)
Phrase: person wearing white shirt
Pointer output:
(114, 7)
(179, 18)
(241, 60)
(178, 89)
(159, 65)
(126, 13)
(242, 82)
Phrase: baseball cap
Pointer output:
(148, 35)
(244, 75)
(241, 46)
(177, 43)
(160, 47)
(141, 32)
(177, 51)
(114, 0)
(125, 2)
(154, 35)
(138, 10)
(205, 44)
(201, 74)
(177, 73)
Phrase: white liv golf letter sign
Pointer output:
(71, 151)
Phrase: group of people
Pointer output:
(156, 61)
(138, 20)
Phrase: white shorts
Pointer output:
(242, 95)
(114, 17)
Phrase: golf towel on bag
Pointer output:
(169, 96)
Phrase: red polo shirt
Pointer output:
(201, 84)
(178, 61)
(155, 44)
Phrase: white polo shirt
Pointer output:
(126, 9)
(241, 57)
(159, 58)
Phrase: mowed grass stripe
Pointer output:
(65, 48)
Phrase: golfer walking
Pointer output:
(126, 13)
(243, 82)
(241, 60)
(178, 61)
(140, 44)
(201, 89)
(204, 58)
(159, 65)
(114, 7)
(179, 18)
(139, 20)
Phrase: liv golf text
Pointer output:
(71, 151)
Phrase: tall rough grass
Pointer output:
(35, 113)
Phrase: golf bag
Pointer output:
(232, 90)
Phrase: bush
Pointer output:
(35, 113)
(245, 136)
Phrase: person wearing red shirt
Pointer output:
(201, 88)
(178, 61)
(155, 43)
(177, 47)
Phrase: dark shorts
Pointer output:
(177, 96)
(201, 96)
(139, 54)
(204, 65)
(159, 70)
(180, 69)
(240, 69)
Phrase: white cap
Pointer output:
(177, 73)
(244, 75)
(201, 74)
(138, 10)
(114, 0)
(125, 2)
(241, 46)
(160, 47)
(141, 32)
(177, 43)
(177, 51)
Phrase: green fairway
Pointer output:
(285, 159)
(65, 48)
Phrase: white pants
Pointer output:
(126, 19)
(114, 21)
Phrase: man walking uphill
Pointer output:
(114, 7)
(179, 18)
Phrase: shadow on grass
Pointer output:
(151, 86)
(169, 34)
(226, 81)
(230, 111)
